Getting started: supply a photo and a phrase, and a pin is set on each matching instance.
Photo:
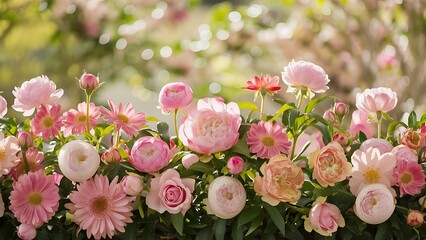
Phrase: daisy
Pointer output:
(75, 121)
(47, 122)
(124, 118)
(267, 139)
(267, 83)
(99, 207)
(8, 149)
(34, 198)
(409, 177)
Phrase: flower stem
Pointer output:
(262, 104)
(87, 112)
(117, 138)
(379, 124)
(24, 158)
(299, 104)
(293, 147)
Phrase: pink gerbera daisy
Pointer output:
(267, 139)
(264, 82)
(34, 198)
(409, 177)
(8, 149)
(99, 207)
(124, 118)
(47, 122)
(75, 121)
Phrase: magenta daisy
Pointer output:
(47, 122)
(99, 207)
(409, 177)
(125, 118)
(75, 121)
(34, 198)
(267, 139)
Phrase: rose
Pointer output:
(381, 144)
(26, 231)
(235, 165)
(324, 218)
(212, 126)
(341, 109)
(331, 117)
(281, 181)
(25, 140)
(150, 154)
(226, 197)
(111, 155)
(330, 165)
(189, 159)
(376, 100)
(78, 160)
(3, 106)
(404, 153)
(170, 193)
(174, 96)
(415, 218)
(413, 139)
(374, 204)
(132, 184)
(89, 82)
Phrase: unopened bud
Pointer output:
(25, 140)
(331, 117)
(341, 109)
(111, 155)
(89, 82)
(235, 165)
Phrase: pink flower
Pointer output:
(409, 177)
(124, 118)
(314, 141)
(324, 218)
(47, 122)
(267, 139)
(360, 123)
(415, 218)
(1, 206)
(413, 139)
(111, 155)
(376, 100)
(132, 184)
(235, 165)
(226, 197)
(35, 92)
(281, 181)
(34, 198)
(174, 96)
(374, 204)
(8, 150)
(386, 59)
(212, 126)
(26, 231)
(331, 117)
(371, 167)
(404, 153)
(341, 138)
(170, 193)
(381, 144)
(75, 121)
(34, 159)
(189, 159)
(100, 207)
(341, 109)
(264, 82)
(305, 76)
(150, 154)
(3, 106)
(330, 165)
(89, 82)
(25, 139)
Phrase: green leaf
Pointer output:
(131, 231)
(293, 233)
(326, 138)
(152, 119)
(386, 116)
(220, 229)
(163, 128)
(392, 127)
(255, 224)
(202, 167)
(242, 148)
(312, 104)
(276, 217)
(177, 221)
(412, 120)
(247, 105)
(280, 111)
(383, 231)
(248, 215)
(237, 232)
(204, 234)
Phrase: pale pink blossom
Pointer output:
(25, 139)
(376, 100)
(174, 96)
(212, 126)
(404, 153)
(374, 204)
(75, 120)
(413, 139)
(47, 122)
(189, 159)
(3, 106)
(380, 144)
(360, 123)
(132, 184)
(34, 93)
(170, 193)
(315, 142)
(150, 154)
(265, 82)
(409, 177)
(331, 117)
(27, 231)
(324, 218)
(8, 153)
(386, 59)
(226, 197)
(235, 165)
(341, 109)
(415, 218)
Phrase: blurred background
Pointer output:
(136, 46)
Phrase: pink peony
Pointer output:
(35, 92)
(212, 126)
(413, 139)
(226, 197)
(8, 153)
(132, 184)
(26, 231)
(174, 96)
(404, 153)
(47, 122)
(34, 198)
(265, 82)
(1, 206)
(324, 218)
(75, 121)
(100, 207)
(189, 159)
(150, 154)
(170, 193)
(3, 106)
(360, 123)
(409, 177)
(305, 76)
(380, 144)
(376, 100)
(374, 204)
(415, 218)
(267, 139)
(235, 165)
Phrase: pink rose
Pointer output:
(35, 92)
(226, 197)
(89, 82)
(189, 159)
(374, 204)
(376, 100)
(3, 106)
(235, 165)
(212, 126)
(281, 181)
(150, 154)
(413, 139)
(324, 218)
(360, 123)
(404, 153)
(170, 193)
(132, 184)
(111, 155)
(341, 109)
(174, 96)
(26, 231)
(381, 144)
(25, 139)
(415, 218)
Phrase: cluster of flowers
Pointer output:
(102, 171)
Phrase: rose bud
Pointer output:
(89, 82)
(25, 140)
(235, 165)
(415, 218)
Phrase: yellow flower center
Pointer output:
(82, 158)
(123, 118)
(229, 196)
(100, 205)
(35, 198)
(81, 118)
(2, 153)
(48, 122)
(372, 175)
(268, 141)
(406, 178)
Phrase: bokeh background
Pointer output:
(136, 46)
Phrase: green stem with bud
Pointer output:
(262, 104)
(379, 124)
(176, 126)
(24, 158)
(88, 95)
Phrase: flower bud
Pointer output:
(189, 159)
(89, 82)
(341, 138)
(174, 96)
(25, 140)
(26, 231)
(413, 139)
(132, 184)
(415, 218)
(331, 117)
(341, 109)
(111, 155)
(235, 165)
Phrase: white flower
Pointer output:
(8, 149)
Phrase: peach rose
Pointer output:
(324, 218)
(281, 181)
(413, 139)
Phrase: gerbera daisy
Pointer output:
(34, 198)
(47, 122)
(99, 207)
(75, 121)
(267, 139)
(409, 177)
(8, 149)
(264, 82)
(124, 118)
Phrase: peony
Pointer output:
(415, 218)
(360, 123)
(404, 153)
(8, 150)
(235, 165)
(226, 197)
(132, 184)
(381, 144)
(170, 193)
(324, 218)
(330, 165)
(78, 160)
(174, 96)
(376, 100)
(374, 204)
(409, 176)
(3, 106)
(212, 126)
(34, 93)
(281, 181)
(26, 231)
(413, 139)
(150, 154)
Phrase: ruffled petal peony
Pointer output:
(376, 100)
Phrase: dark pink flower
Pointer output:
(264, 82)
(47, 122)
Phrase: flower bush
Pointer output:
(228, 169)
